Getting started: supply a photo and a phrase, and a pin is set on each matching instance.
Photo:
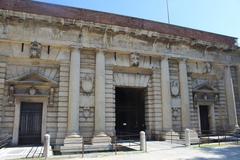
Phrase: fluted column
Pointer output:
(231, 105)
(100, 135)
(166, 97)
(184, 94)
(74, 91)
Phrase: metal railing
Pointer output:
(126, 142)
(5, 141)
(218, 136)
(173, 136)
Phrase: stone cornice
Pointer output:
(71, 14)
(105, 29)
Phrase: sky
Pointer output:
(217, 16)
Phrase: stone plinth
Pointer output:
(99, 147)
(72, 144)
(171, 135)
(101, 139)
(191, 137)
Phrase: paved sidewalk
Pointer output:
(156, 151)
(168, 151)
(21, 152)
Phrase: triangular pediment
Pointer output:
(32, 78)
(205, 87)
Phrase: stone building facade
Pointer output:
(72, 69)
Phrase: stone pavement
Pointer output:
(21, 152)
(157, 151)
(168, 151)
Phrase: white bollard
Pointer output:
(46, 150)
(187, 137)
(142, 141)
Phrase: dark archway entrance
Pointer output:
(204, 119)
(30, 123)
(130, 110)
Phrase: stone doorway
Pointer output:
(204, 119)
(130, 110)
(30, 126)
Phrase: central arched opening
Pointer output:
(130, 110)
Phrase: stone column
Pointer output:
(73, 135)
(238, 81)
(99, 136)
(166, 96)
(184, 94)
(231, 105)
(74, 91)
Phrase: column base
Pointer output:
(236, 129)
(72, 144)
(101, 139)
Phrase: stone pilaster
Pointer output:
(156, 101)
(73, 140)
(166, 97)
(231, 104)
(62, 101)
(185, 108)
(2, 82)
(100, 135)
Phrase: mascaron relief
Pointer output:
(87, 84)
(207, 67)
(134, 59)
(174, 87)
(35, 50)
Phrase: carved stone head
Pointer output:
(208, 67)
(134, 59)
(35, 49)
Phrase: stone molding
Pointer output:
(130, 80)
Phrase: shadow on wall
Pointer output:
(230, 153)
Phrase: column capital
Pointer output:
(182, 60)
(227, 66)
(72, 47)
(166, 57)
(238, 68)
(101, 50)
